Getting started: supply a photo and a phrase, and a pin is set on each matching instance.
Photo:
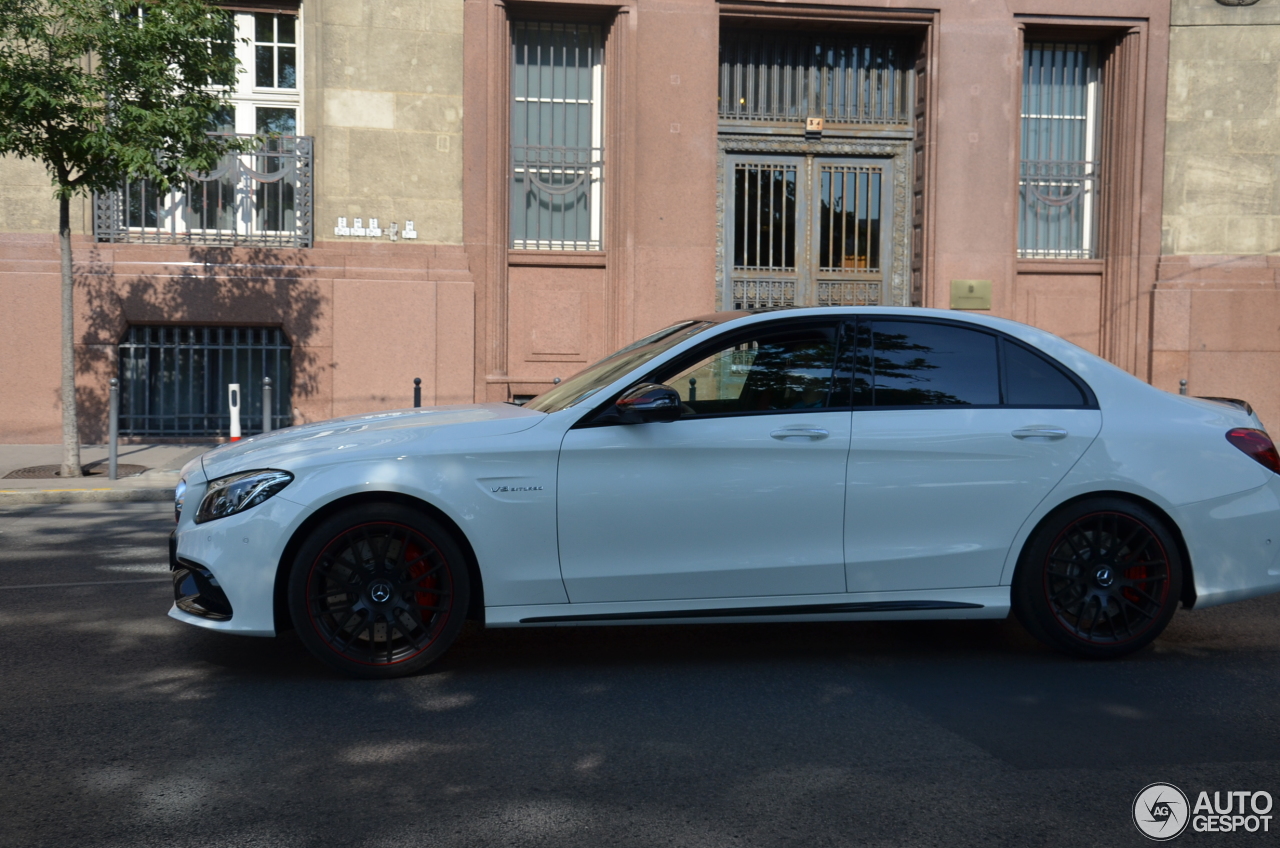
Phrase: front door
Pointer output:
(807, 230)
(741, 497)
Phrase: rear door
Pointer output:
(958, 433)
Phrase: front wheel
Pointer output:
(379, 590)
(1100, 578)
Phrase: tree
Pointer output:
(102, 91)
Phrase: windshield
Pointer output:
(587, 382)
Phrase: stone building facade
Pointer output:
(579, 174)
(377, 86)
(1216, 309)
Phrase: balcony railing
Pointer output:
(262, 198)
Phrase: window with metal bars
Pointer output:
(1061, 136)
(849, 218)
(173, 380)
(557, 135)
(263, 197)
(764, 216)
(787, 77)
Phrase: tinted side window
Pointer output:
(922, 364)
(1031, 380)
(774, 371)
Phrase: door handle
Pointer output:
(813, 434)
(1040, 431)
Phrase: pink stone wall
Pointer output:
(1062, 302)
(673, 197)
(30, 321)
(364, 320)
(1216, 324)
(557, 321)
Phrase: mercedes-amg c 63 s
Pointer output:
(845, 464)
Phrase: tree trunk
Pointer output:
(70, 427)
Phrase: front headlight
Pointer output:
(238, 492)
(179, 495)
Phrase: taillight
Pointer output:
(1256, 444)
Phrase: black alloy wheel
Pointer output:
(1100, 578)
(379, 590)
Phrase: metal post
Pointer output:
(233, 403)
(266, 404)
(1182, 387)
(113, 429)
(417, 392)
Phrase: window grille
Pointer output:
(275, 202)
(173, 380)
(805, 231)
(1061, 124)
(765, 220)
(557, 136)
(764, 217)
(260, 198)
(848, 293)
(763, 294)
(849, 218)
(776, 77)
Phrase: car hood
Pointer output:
(394, 431)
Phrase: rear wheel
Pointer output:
(379, 590)
(1101, 578)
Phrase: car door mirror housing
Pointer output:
(648, 402)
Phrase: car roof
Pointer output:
(977, 318)
(1084, 363)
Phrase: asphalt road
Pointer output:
(122, 727)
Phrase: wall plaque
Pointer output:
(970, 294)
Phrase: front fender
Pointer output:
(503, 501)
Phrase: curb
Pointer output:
(24, 497)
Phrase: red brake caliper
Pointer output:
(1137, 572)
(424, 596)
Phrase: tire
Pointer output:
(379, 591)
(1100, 578)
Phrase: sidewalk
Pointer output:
(163, 463)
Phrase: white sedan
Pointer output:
(846, 464)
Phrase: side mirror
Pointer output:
(648, 402)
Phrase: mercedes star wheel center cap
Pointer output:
(1103, 576)
(380, 592)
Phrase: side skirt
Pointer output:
(736, 612)
(990, 602)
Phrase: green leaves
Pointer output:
(104, 90)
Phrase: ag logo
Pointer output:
(1160, 811)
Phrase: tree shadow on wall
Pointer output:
(209, 286)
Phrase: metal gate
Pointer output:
(806, 230)
(173, 380)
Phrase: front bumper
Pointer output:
(225, 570)
(196, 591)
